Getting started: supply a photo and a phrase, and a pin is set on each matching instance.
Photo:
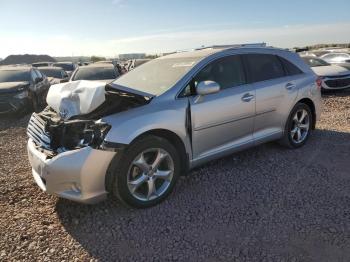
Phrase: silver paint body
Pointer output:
(222, 123)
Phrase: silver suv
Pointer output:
(134, 137)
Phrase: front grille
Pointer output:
(37, 131)
(338, 82)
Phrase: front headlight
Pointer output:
(93, 135)
(76, 134)
(22, 95)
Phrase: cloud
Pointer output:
(284, 36)
(119, 3)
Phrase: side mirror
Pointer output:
(207, 87)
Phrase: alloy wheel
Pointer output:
(150, 174)
(300, 126)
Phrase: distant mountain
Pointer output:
(26, 59)
(74, 59)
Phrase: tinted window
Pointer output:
(314, 61)
(52, 73)
(95, 73)
(336, 55)
(263, 67)
(290, 68)
(66, 67)
(14, 75)
(227, 72)
(40, 64)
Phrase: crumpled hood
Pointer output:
(12, 86)
(76, 98)
(331, 70)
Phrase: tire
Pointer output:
(125, 174)
(290, 136)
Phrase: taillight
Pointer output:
(319, 82)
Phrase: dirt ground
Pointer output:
(263, 204)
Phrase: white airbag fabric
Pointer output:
(76, 98)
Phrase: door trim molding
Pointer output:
(222, 122)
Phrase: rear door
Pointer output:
(276, 92)
(223, 120)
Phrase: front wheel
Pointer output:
(147, 172)
(298, 126)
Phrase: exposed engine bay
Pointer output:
(54, 133)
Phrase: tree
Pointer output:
(97, 58)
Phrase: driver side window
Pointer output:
(228, 72)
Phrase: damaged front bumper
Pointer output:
(78, 175)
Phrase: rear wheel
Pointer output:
(147, 172)
(298, 126)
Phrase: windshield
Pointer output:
(65, 67)
(315, 62)
(95, 73)
(14, 75)
(52, 73)
(157, 76)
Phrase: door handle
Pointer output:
(290, 86)
(247, 97)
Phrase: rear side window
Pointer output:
(227, 72)
(290, 68)
(263, 67)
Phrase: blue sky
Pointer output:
(110, 27)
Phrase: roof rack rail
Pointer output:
(232, 46)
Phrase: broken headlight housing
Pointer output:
(77, 134)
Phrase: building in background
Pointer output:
(132, 56)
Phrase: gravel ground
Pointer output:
(263, 204)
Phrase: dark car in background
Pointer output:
(56, 75)
(40, 64)
(22, 89)
(96, 72)
(69, 67)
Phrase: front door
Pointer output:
(223, 120)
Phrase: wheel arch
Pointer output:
(172, 137)
(311, 105)
(175, 140)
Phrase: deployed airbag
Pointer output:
(76, 98)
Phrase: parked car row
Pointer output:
(334, 76)
(332, 65)
(22, 88)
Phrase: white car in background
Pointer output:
(336, 58)
(333, 76)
